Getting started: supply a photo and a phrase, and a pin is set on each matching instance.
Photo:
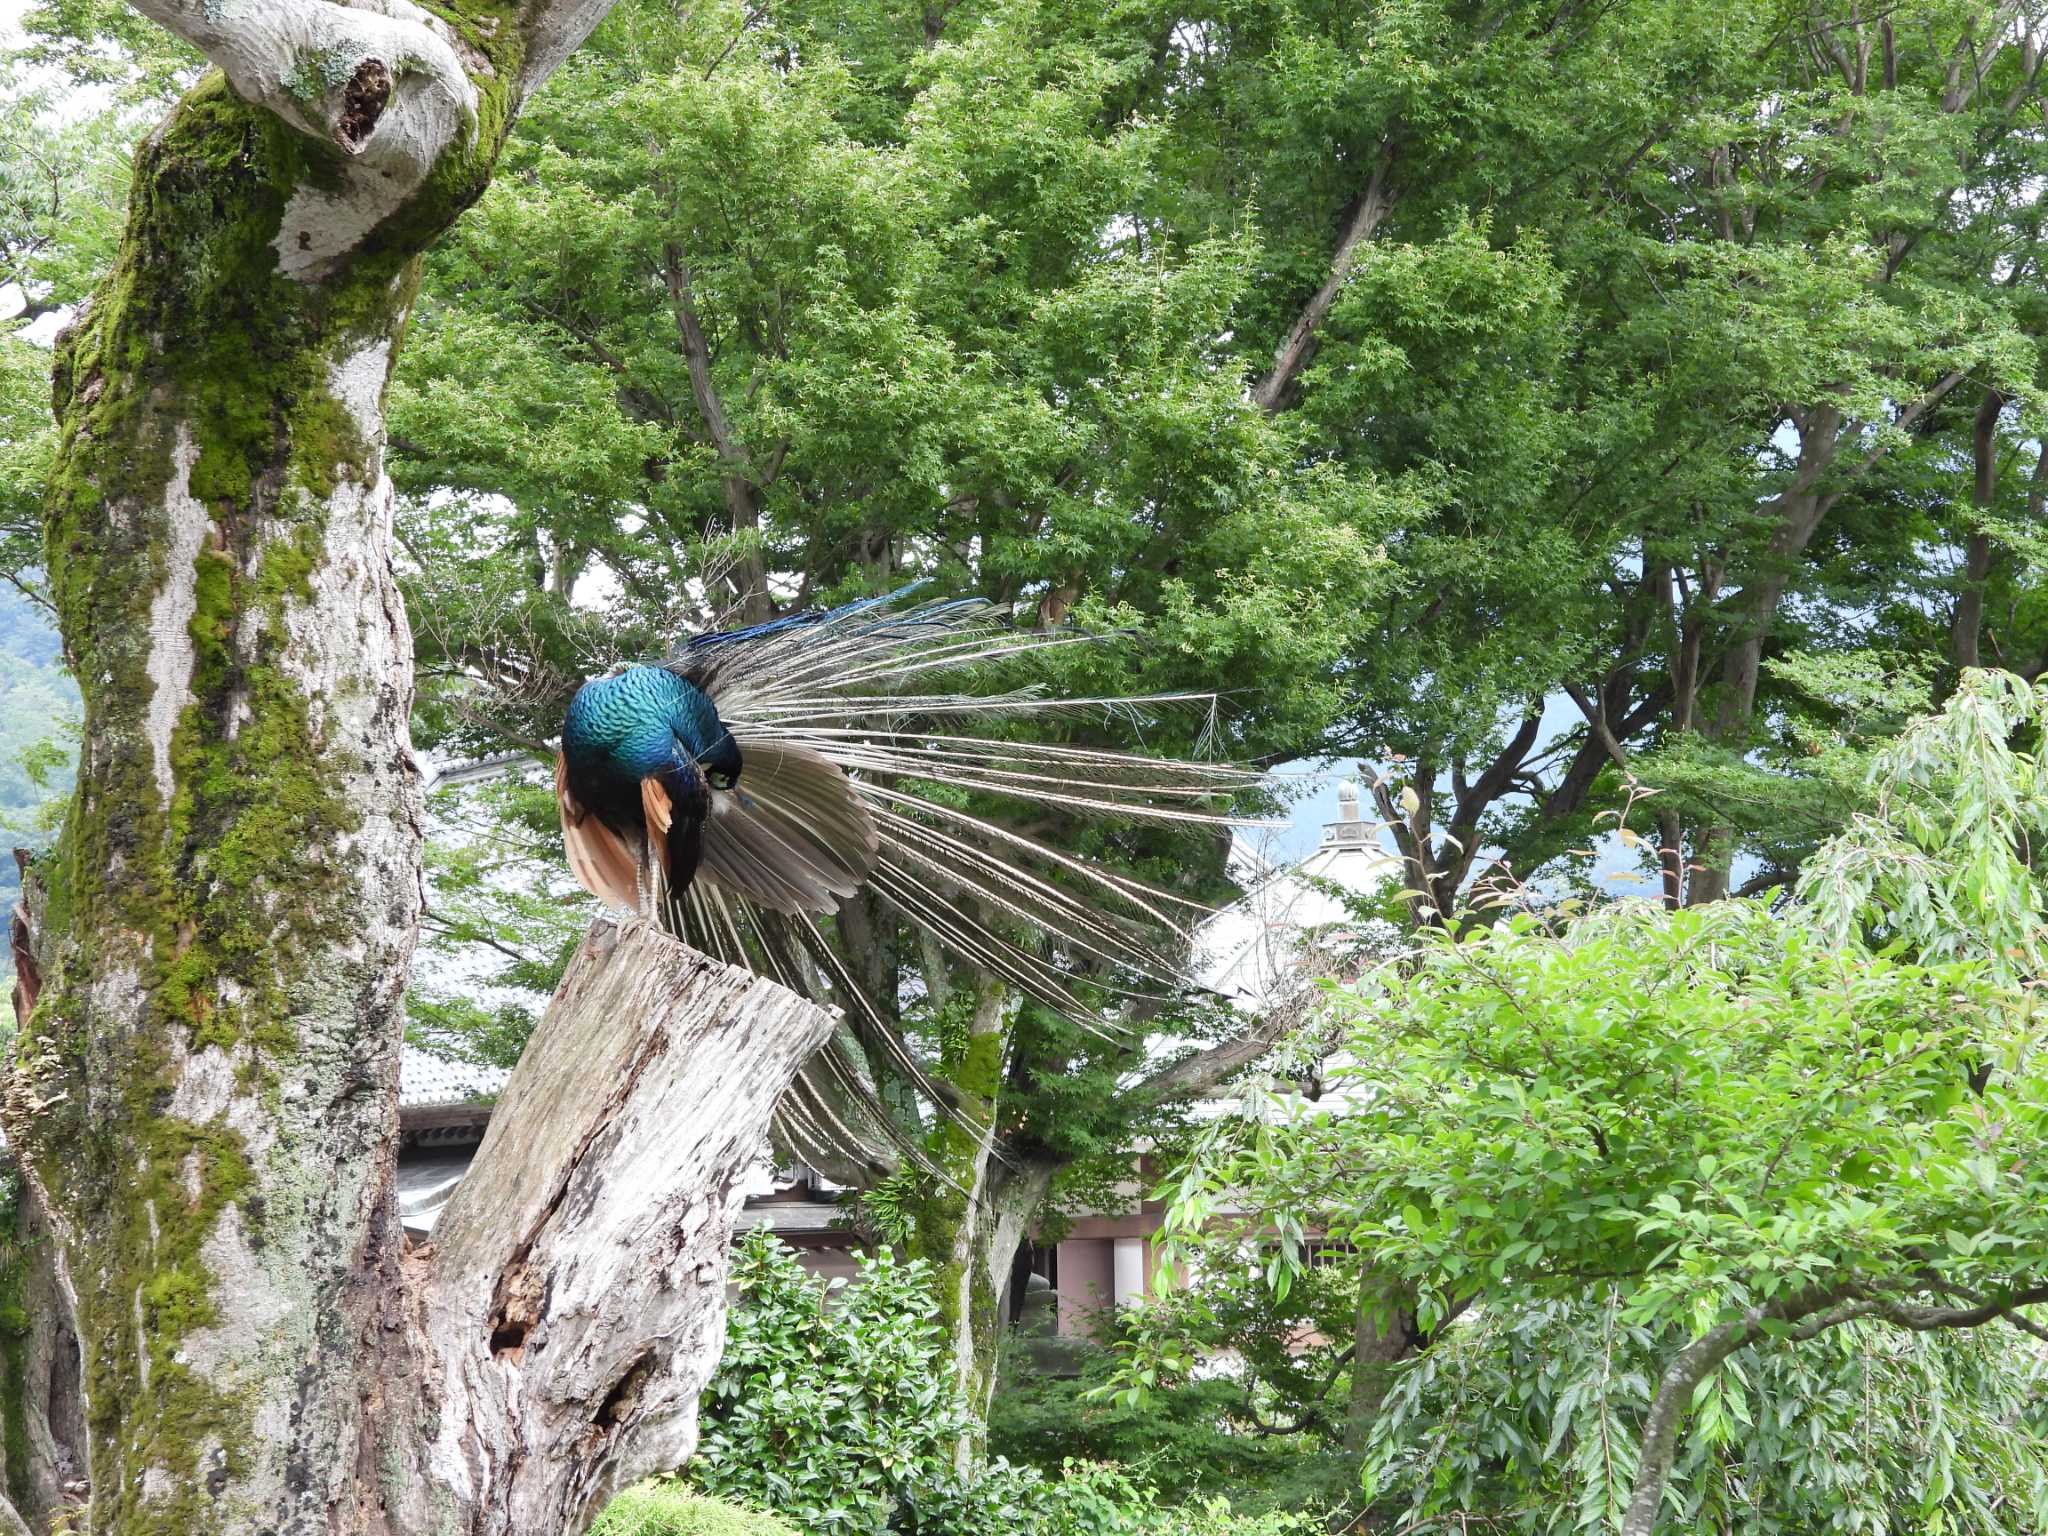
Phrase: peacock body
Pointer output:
(743, 790)
(637, 734)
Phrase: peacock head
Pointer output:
(720, 762)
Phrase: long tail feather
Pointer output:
(861, 770)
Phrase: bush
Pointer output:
(662, 1509)
(1193, 1437)
(843, 1418)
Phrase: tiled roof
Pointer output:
(428, 1081)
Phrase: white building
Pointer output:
(1259, 952)
(1252, 950)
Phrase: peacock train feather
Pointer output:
(743, 790)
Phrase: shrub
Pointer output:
(1195, 1437)
(663, 1509)
(833, 1407)
(838, 1416)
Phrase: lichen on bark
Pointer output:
(948, 1229)
(212, 1008)
(206, 1095)
(14, 1329)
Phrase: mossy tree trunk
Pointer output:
(206, 1101)
(999, 1182)
(970, 1224)
(990, 1223)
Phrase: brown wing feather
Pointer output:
(598, 856)
(656, 806)
(792, 837)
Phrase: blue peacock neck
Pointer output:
(645, 722)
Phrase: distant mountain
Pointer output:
(38, 740)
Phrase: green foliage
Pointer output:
(981, 290)
(836, 1417)
(1943, 861)
(1580, 1146)
(1718, 1103)
(63, 183)
(660, 1509)
(628, 400)
(1537, 1410)
(927, 360)
(1198, 1437)
(1283, 1318)
(58, 218)
(38, 725)
(1809, 778)
(107, 42)
(503, 917)
(831, 1407)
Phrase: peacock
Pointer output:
(743, 790)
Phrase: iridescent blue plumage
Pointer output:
(643, 737)
(644, 721)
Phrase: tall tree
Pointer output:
(1422, 367)
(1697, 357)
(206, 1096)
(849, 304)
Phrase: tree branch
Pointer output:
(742, 497)
(386, 82)
(1682, 1377)
(386, 86)
(1203, 1071)
(1301, 340)
(554, 29)
(1811, 1314)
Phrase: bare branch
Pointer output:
(1199, 1073)
(1301, 340)
(554, 30)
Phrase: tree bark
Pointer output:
(964, 1224)
(42, 1431)
(572, 1305)
(1384, 1334)
(1797, 511)
(1298, 348)
(995, 1219)
(1966, 628)
(206, 1102)
(742, 499)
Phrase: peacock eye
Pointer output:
(718, 778)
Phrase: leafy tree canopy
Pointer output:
(1688, 1134)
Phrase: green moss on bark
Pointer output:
(212, 903)
(14, 1339)
(971, 1060)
